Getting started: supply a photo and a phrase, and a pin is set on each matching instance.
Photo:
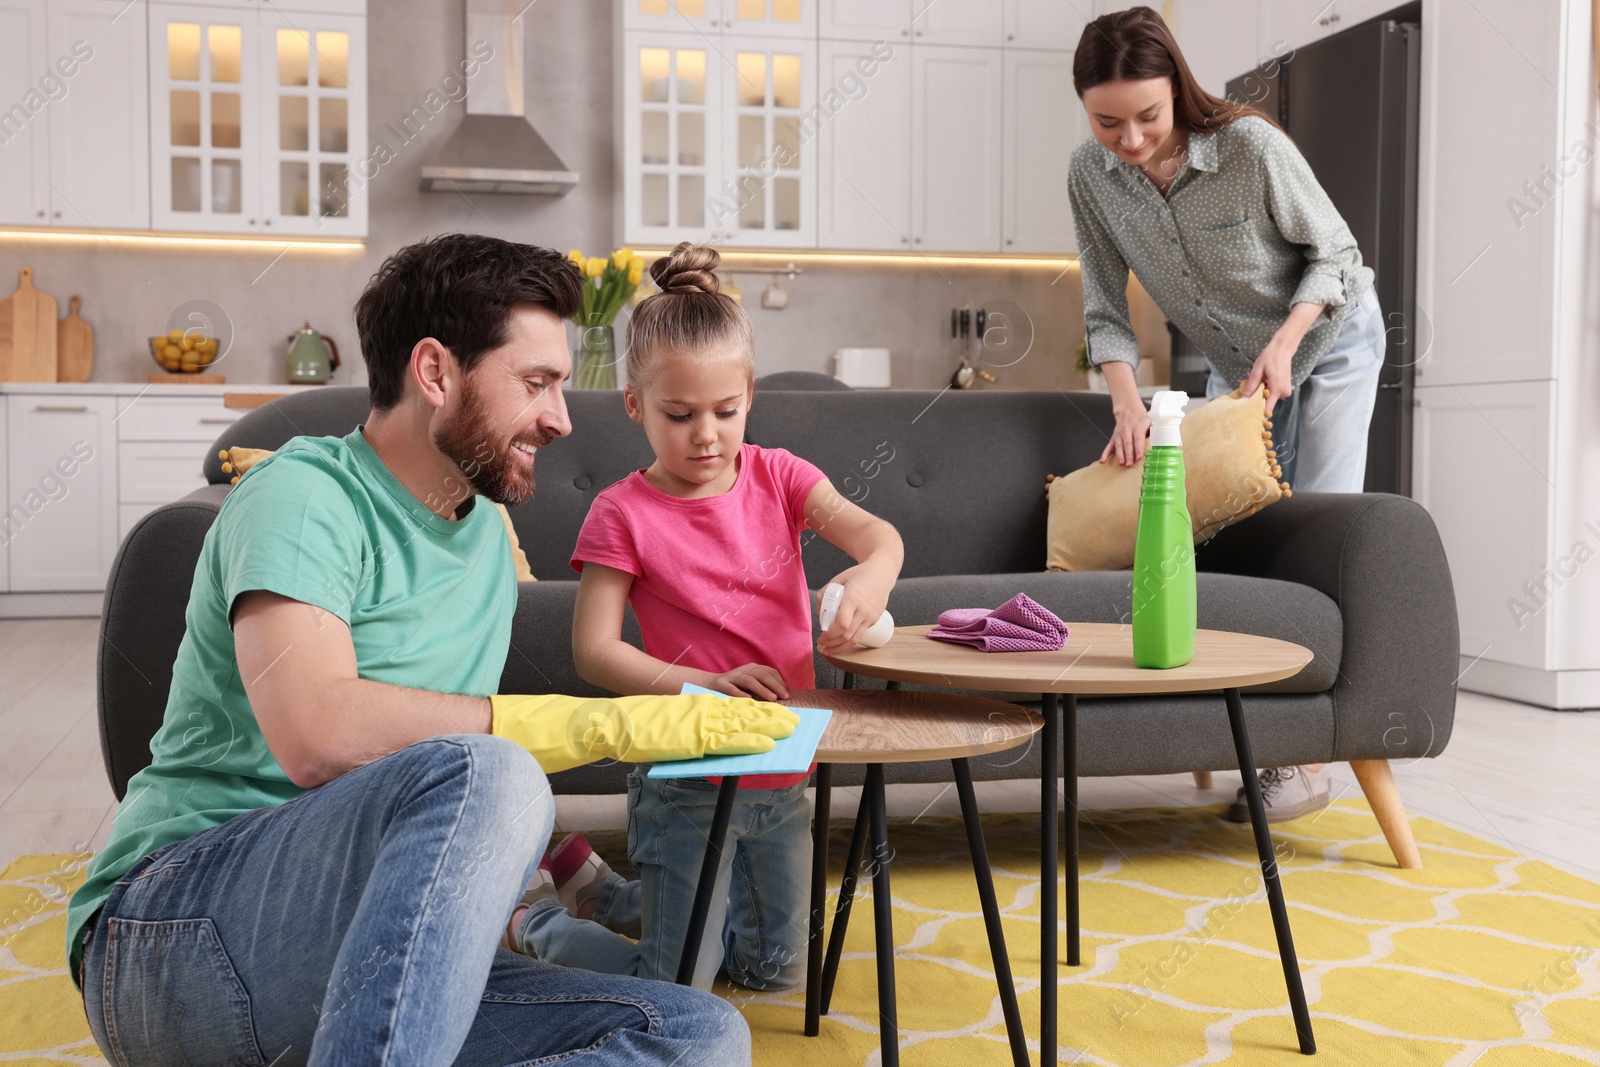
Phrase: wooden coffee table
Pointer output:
(1097, 660)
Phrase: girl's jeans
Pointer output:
(1320, 430)
(756, 928)
(359, 924)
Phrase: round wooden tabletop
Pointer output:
(1097, 660)
(886, 726)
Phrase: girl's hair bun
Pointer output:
(688, 268)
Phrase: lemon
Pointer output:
(174, 336)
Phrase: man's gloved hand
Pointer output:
(564, 732)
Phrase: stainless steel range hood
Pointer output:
(495, 150)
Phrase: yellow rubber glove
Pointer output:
(564, 732)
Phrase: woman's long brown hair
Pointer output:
(1135, 45)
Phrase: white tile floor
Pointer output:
(1518, 775)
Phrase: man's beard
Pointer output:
(483, 457)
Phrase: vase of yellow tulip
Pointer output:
(608, 283)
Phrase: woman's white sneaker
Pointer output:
(1287, 793)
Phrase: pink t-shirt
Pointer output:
(718, 580)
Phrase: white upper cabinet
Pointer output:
(24, 137)
(73, 144)
(1055, 25)
(313, 123)
(1221, 40)
(955, 148)
(256, 119)
(99, 132)
(771, 18)
(712, 144)
(669, 85)
(958, 22)
(864, 147)
(765, 190)
(866, 20)
(205, 108)
(1043, 124)
(767, 18)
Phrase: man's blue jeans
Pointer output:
(756, 928)
(359, 924)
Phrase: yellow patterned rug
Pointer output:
(1481, 958)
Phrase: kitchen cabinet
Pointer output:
(955, 148)
(1044, 24)
(766, 192)
(864, 150)
(712, 140)
(1469, 438)
(75, 145)
(766, 18)
(1221, 40)
(864, 20)
(256, 119)
(669, 88)
(1043, 124)
(24, 141)
(974, 23)
(61, 468)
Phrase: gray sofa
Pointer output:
(1359, 579)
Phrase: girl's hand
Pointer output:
(1272, 366)
(752, 680)
(865, 597)
(1128, 440)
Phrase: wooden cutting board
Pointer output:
(27, 333)
(74, 345)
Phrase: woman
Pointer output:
(1220, 218)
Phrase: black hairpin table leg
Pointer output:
(708, 879)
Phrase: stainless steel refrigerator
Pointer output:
(1350, 102)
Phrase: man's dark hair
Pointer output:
(459, 289)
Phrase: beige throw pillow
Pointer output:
(1230, 472)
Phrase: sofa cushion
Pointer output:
(958, 473)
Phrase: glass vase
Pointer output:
(595, 358)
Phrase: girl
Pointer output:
(705, 547)
(1217, 213)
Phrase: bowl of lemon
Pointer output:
(183, 352)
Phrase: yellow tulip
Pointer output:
(595, 267)
(636, 263)
(576, 256)
(619, 260)
(626, 254)
(635, 274)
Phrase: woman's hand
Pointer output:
(752, 680)
(1129, 439)
(1273, 365)
(865, 596)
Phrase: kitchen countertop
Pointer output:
(147, 389)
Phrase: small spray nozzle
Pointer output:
(1168, 404)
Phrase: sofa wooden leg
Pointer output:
(1377, 782)
(1202, 779)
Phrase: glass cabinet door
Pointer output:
(670, 145)
(767, 196)
(674, 16)
(202, 119)
(313, 123)
(771, 18)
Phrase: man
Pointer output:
(337, 820)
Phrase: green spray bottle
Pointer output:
(1163, 556)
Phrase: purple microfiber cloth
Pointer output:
(1018, 625)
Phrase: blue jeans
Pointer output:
(1320, 430)
(359, 924)
(756, 928)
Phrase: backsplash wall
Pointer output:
(129, 292)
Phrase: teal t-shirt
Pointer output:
(428, 602)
